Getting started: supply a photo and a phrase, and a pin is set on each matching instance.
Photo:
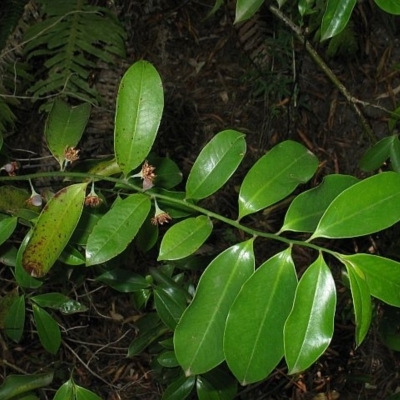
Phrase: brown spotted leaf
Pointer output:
(53, 229)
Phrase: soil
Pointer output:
(258, 80)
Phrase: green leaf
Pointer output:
(24, 279)
(53, 229)
(366, 207)
(170, 304)
(124, 281)
(275, 175)
(168, 359)
(168, 174)
(184, 238)
(50, 300)
(84, 394)
(179, 389)
(395, 154)
(309, 327)
(72, 307)
(138, 345)
(245, 9)
(382, 275)
(66, 391)
(377, 154)
(390, 6)
(198, 338)
(64, 127)
(215, 164)
(13, 200)
(48, 330)
(336, 17)
(15, 385)
(14, 321)
(253, 340)
(140, 103)
(216, 384)
(116, 229)
(307, 208)
(7, 227)
(361, 300)
(216, 7)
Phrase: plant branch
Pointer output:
(329, 73)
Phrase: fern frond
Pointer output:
(72, 37)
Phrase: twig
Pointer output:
(329, 73)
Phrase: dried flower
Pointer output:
(71, 154)
(10, 168)
(147, 174)
(92, 199)
(160, 217)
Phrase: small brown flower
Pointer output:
(71, 154)
(93, 200)
(148, 171)
(161, 218)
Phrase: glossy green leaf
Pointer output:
(89, 218)
(336, 17)
(72, 306)
(215, 164)
(147, 236)
(309, 327)
(170, 304)
(184, 238)
(395, 154)
(145, 339)
(382, 276)
(307, 208)
(305, 6)
(140, 103)
(106, 168)
(72, 256)
(168, 174)
(245, 9)
(85, 394)
(50, 300)
(53, 229)
(377, 154)
(168, 359)
(361, 300)
(390, 6)
(275, 175)
(48, 329)
(14, 321)
(123, 280)
(24, 279)
(116, 229)
(253, 340)
(8, 255)
(179, 389)
(366, 207)
(198, 338)
(7, 227)
(15, 385)
(216, 384)
(64, 127)
(66, 391)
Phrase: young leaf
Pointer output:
(215, 164)
(7, 227)
(275, 175)
(168, 359)
(14, 321)
(253, 339)
(184, 238)
(15, 385)
(382, 275)
(66, 391)
(309, 327)
(245, 9)
(123, 280)
(361, 300)
(179, 389)
(116, 229)
(140, 103)
(366, 207)
(84, 394)
(377, 154)
(307, 208)
(48, 330)
(336, 17)
(64, 127)
(198, 338)
(53, 229)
